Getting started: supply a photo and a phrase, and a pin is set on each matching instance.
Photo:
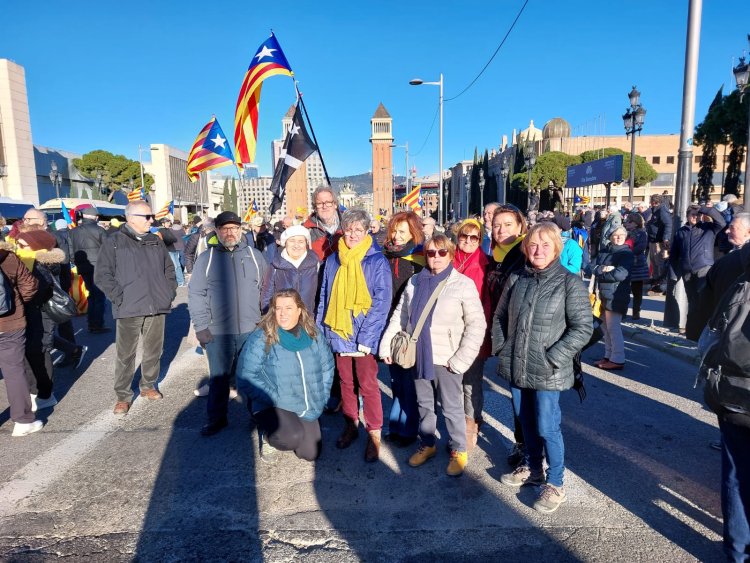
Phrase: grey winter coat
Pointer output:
(224, 289)
(542, 320)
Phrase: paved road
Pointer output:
(642, 482)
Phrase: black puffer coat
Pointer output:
(542, 321)
(614, 286)
(85, 241)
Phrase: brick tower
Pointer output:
(382, 160)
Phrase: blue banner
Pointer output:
(600, 171)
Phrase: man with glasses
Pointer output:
(324, 222)
(137, 275)
(224, 303)
(489, 213)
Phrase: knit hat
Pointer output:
(256, 221)
(561, 221)
(61, 225)
(38, 240)
(296, 231)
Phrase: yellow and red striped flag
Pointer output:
(251, 211)
(210, 150)
(414, 198)
(168, 209)
(268, 61)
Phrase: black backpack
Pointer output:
(725, 352)
(6, 295)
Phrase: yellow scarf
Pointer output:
(349, 294)
(501, 250)
(27, 256)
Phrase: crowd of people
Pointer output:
(295, 317)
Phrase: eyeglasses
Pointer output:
(470, 238)
(325, 204)
(229, 228)
(442, 252)
(30, 219)
(350, 232)
(148, 217)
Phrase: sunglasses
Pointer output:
(432, 253)
(470, 238)
(149, 217)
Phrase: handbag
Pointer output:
(404, 345)
(60, 307)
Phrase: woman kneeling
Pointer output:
(286, 367)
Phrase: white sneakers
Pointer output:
(202, 391)
(26, 428)
(39, 404)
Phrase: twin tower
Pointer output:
(381, 137)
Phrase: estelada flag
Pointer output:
(268, 61)
(210, 150)
(168, 209)
(414, 198)
(251, 211)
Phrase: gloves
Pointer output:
(204, 337)
(364, 349)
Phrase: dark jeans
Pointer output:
(403, 419)
(286, 431)
(96, 301)
(39, 338)
(12, 346)
(735, 490)
(128, 333)
(636, 287)
(694, 283)
(540, 416)
(222, 355)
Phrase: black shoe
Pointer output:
(76, 358)
(405, 441)
(213, 427)
(98, 329)
(517, 455)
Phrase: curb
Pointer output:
(671, 345)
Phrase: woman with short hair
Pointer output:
(355, 298)
(404, 251)
(286, 367)
(452, 335)
(612, 276)
(542, 320)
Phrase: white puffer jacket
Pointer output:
(458, 323)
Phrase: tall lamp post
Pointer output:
(419, 82)
(100, 185)
(406, 181)
(529, 158)
(481, 190)
(633, 119)
(742, 76)
(55, 177)
(504, 171)
(467, 186)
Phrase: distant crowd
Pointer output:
(294, 318)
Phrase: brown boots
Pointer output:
(472, 433)
(350, 433)
(372, 451)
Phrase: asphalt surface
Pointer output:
(642, 482)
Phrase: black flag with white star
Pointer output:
(297, 147)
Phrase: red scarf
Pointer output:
(474, 266)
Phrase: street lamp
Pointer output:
(742, 77)
(467, 185)
(633, 119)
(419, 82)
(529, 158)
(481, 190)
(55, 177)
(504, 171)
(100, 185)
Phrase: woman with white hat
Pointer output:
(294, 268)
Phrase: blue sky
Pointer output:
(106, 75)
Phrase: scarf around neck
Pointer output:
(294, 342)
(425, 283)
(501, 250)
(350, 296)
(408, 251)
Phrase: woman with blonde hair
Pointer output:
(453, 331)
(542, 321)
(286, 368)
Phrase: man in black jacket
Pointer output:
(659, 229)
(170, 241)
(137, 274)
(85, 241)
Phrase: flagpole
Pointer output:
(312, 131)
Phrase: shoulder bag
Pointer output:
(404, 345)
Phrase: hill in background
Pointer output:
(361, 183)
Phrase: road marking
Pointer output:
(37, 475)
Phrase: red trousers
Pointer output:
(365, 369)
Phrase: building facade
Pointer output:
(171, 183)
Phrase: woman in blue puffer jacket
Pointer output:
(286, 368)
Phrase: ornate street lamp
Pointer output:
(634, 118)
(100, 185)
(742, 77)
(481, 190)
(529, 158)
(504, 171)
(55, 177)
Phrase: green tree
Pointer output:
(233, 197)
(117, 171)
(552, 166)
(644, 172)
(226, 199)
(708, 135)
